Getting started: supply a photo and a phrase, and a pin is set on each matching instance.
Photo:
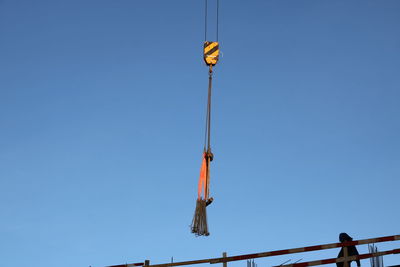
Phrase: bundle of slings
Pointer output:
(199, 224)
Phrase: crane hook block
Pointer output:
(211, 53)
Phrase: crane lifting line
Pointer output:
(211, 55)
(206, 18)
(277, 253)
(199, 224)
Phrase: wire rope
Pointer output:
(205, 19)
(217, 18)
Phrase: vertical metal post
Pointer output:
(345, 254)
(224, 264)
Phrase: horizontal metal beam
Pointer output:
(306, 249)
(128, 265)
(334, 260)
(274, 253)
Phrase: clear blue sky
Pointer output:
(102, 108)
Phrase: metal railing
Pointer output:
(285, 252)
